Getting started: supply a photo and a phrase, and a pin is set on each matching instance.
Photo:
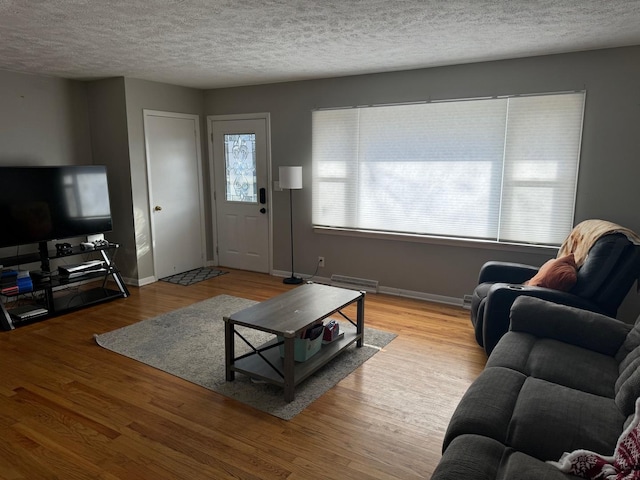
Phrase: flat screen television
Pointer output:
(39, 204)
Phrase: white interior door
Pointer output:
(240, 158)
(175, 191)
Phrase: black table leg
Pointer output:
(360, 321)
(229, 351)
(289, 365)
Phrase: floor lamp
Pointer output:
(291, 179)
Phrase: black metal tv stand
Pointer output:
(54, 300)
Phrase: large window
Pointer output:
(499, 169)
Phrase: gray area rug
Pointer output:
(189, 343)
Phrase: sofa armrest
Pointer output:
(571, 325)
(506, 272)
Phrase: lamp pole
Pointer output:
(291, 178)
(292, 280)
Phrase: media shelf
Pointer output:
(51, 287)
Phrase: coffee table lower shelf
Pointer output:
(255, 367)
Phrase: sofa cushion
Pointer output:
(481, 458)
(539, 418)
(486, 407)
(627, 387)
(556, 362)
(630, 344)
(557, 273)
(575, 326)
(512, 351)
(470, 456)
(551, 419)
(519, 466)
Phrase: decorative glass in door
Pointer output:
(240, 167)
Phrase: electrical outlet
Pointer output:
(321, 262)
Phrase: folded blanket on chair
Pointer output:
(586, 233)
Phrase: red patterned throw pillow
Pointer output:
(624, 464)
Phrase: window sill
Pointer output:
(434, 240)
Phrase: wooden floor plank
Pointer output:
(70, 409)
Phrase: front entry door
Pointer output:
(240, 158)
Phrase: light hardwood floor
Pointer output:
(72, 410)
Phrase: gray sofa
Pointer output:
(561, 379)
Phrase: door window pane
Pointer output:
(240, 167)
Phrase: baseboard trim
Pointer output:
(398, 292)
(430, 297)
(147, 280)
(139, 282)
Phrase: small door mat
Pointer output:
(193, 276)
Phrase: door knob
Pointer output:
(263, 210)
(158, 208)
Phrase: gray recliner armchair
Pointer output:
(603, 281)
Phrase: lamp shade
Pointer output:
(290, 177)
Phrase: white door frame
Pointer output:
(214, 221)
(203, 240)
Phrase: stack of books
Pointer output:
(13, 282)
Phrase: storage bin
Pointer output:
(303, 348)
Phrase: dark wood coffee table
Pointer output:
(286, 316)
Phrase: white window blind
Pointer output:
(498, 169)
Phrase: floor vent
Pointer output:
(466, 302)
(354, 283)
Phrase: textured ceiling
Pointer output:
(219, 43)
